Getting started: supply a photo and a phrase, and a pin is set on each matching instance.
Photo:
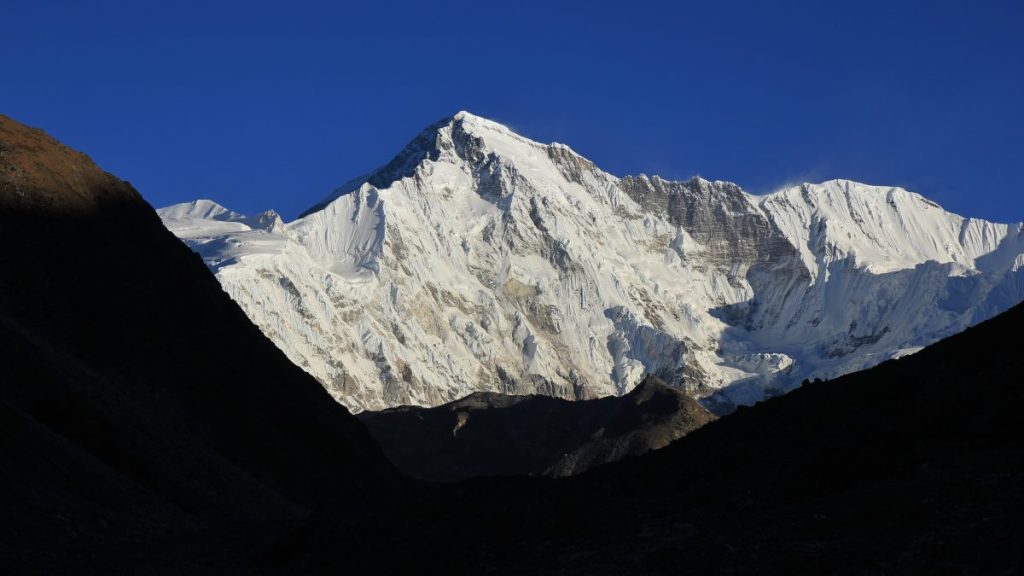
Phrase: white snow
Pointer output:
(487, 261)
(883, 228)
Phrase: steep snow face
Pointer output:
(478, 260)
(882, 229)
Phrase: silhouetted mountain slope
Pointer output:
(147, 427)
(490, 434)
(123, 421)
(916, 466)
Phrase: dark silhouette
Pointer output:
(490, 434)
(138, 402)
(147, 427)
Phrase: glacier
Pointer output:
(479, 260)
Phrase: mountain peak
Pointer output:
(462, 137)
(201, 208)
(473, 123)
(479, 260)
(465, 115)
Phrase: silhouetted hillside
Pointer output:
(916, 466)
(138, 403)
(146, 426)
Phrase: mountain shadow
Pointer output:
(138, 402)
(490, 434)
(914, 466)
(147, 427)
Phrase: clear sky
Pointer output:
(273, 104)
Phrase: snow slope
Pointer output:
(480, 260)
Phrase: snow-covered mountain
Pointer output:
(480, 260)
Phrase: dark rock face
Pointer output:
(740, 240)
(487, 434)
(716, 214)
(122, 420)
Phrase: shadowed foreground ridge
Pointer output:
(123, 424)
(915, 466)
(491, 434)
(146, 426)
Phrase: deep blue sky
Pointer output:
(260, 104)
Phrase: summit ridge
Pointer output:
(480, 260)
